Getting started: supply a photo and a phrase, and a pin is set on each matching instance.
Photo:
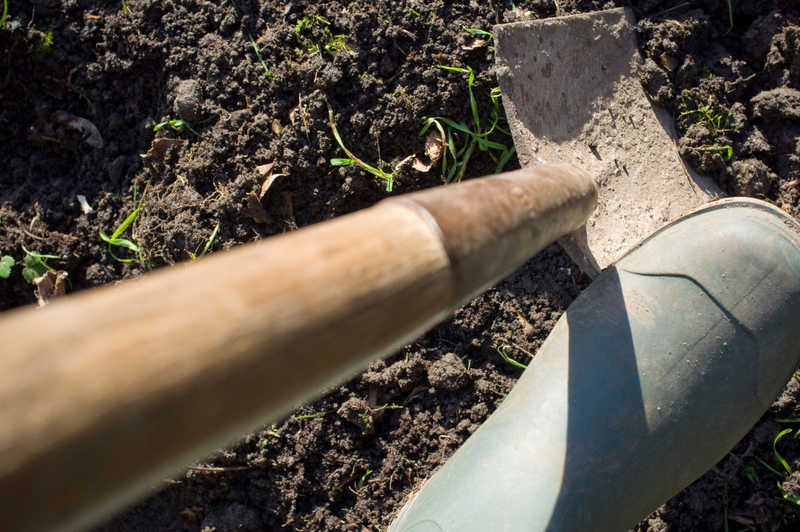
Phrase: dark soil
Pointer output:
(352, 467)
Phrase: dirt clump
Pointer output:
(188, 103)
(448, 373)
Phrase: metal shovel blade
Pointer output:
(572, 93)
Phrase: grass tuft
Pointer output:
(475, 136)
(115, 240)
(323, 39)
(704, 111)
(386, 176)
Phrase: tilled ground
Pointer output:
(251, 83)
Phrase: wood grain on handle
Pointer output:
(110, 390)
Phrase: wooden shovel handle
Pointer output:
(110, 390)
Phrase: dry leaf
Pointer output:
(50, 286)
(255, 210)
(90, 132)
(266, 177)
(294, 112)
(668, 61)
(267, 183)
(85, 207)
(264, 171)
(474, 44)
(741, 520)
(277, 127)
(434, 149)
(161, 146)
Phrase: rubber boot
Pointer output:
(648, 379)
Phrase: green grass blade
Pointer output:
(777, 454)
(258, 54)
(772, 469)
(477, 32)
(121, 242)
(37, 255)
(111, 252)
(730, 17)
(125, 224)
(425, 126)
(465, 160)
(451, 173)
(472, 101)
(455, 125)
(5, 13)
(486, 144)
(454, 69)
(341, 162)
(312, 416)
(210, 242)
(509, 359)
(504, 159)
(503, 131)
(451, 143)
(39, 258)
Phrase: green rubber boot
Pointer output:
(649, 378)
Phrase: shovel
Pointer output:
(674, 351)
